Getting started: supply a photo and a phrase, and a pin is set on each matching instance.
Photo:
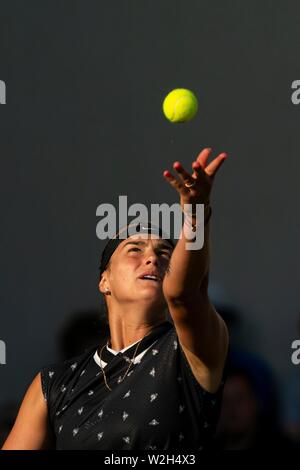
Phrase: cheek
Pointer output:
(125, 271)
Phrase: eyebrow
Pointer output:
(160, 245)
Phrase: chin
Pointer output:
(157, 301)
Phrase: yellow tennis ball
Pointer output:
(180, 105)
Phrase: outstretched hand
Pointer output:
(196, 188)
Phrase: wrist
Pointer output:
(191, 220)
(192, 213)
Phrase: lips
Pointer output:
(150, 276)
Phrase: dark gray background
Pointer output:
(83, 124)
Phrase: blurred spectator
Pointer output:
(241, 358)
(243, 423)
(290, 415)
(250, 410)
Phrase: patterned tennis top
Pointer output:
(159, 405)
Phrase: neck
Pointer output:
(128, 327)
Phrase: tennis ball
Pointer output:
(180, 105)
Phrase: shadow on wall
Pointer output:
(80, 331)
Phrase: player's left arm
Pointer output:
(202, 333)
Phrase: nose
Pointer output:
(152, 258)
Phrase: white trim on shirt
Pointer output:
(136, 359)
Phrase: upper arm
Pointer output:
(203, 337)
(31, 430)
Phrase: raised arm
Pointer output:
(201, 331)
(31, 430)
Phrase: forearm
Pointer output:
(188, 268)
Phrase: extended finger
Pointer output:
(175, 183)
(214, 166)
(199, 172)
(183, 174)
(203, 156)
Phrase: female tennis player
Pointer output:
(157, 382)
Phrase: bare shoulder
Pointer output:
(31, 430)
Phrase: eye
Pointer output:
(165, 253)
(135, 248)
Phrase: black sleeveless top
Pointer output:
(158, 406)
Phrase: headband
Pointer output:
(129, 230)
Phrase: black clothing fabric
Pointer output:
(159, 405)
